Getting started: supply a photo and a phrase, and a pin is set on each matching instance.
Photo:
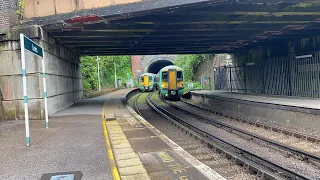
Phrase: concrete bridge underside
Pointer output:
(182, 26)
(253, 30)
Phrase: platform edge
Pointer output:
(202, 168)
(113, 166)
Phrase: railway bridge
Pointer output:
(281, 39)
(269, 50)
(150, 63)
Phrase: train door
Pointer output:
(172, 79)
(146, 80)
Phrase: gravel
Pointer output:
(292, 141)
(263, 151)
(193, 146)
(266, 121)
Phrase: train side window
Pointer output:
(141, 79)
(179, 76)
(150, 78)
(164, 76)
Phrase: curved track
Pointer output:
(228, 127)
(289, 132)
(214, 159)
(263, 165)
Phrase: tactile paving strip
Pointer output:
(128, 162)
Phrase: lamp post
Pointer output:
(99, 84)
(115, 75)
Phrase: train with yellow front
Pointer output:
(170, 82)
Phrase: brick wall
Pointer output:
(8, 14)
(136, 65)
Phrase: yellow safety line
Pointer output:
(114, 169)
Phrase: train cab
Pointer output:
(147, 82)
(170, 81)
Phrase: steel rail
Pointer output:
(267, 164)
(135, 105)
(296, 151)
(262, 125)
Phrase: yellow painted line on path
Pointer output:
(114, 169)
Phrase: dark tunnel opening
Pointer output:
(157, 65)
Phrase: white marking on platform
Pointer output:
(126, 115)
(62, 177)
(204, 169)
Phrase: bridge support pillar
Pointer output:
(64, 81)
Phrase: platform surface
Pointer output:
(303, 102)
(143, 152)
(74, 144)
(74, 147)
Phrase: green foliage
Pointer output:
(20, 9)
(89, 70)
(190, 65)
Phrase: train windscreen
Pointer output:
(179, 76)
(165, 76)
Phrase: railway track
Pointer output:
(280, 129)
(274, 128)
(135, 104)
(199, 115)
(217, 160)
(262, 165)
(289, 137)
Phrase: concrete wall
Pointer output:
(64, 81)
(260, 112)
(2, 114)
(206, 68)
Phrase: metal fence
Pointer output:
(290, 76)
(306, 75)
(237, 78)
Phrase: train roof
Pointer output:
(171, 67)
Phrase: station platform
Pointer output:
(137, 150)
(300, 113)
(73, 147)
(99, 138)
(294, 101)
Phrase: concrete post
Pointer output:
(99, 83)
(244, 78)
(230, 79)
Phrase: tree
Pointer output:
(89, 73)
(191, 63)
(89, 70)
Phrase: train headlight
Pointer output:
(164, 85)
